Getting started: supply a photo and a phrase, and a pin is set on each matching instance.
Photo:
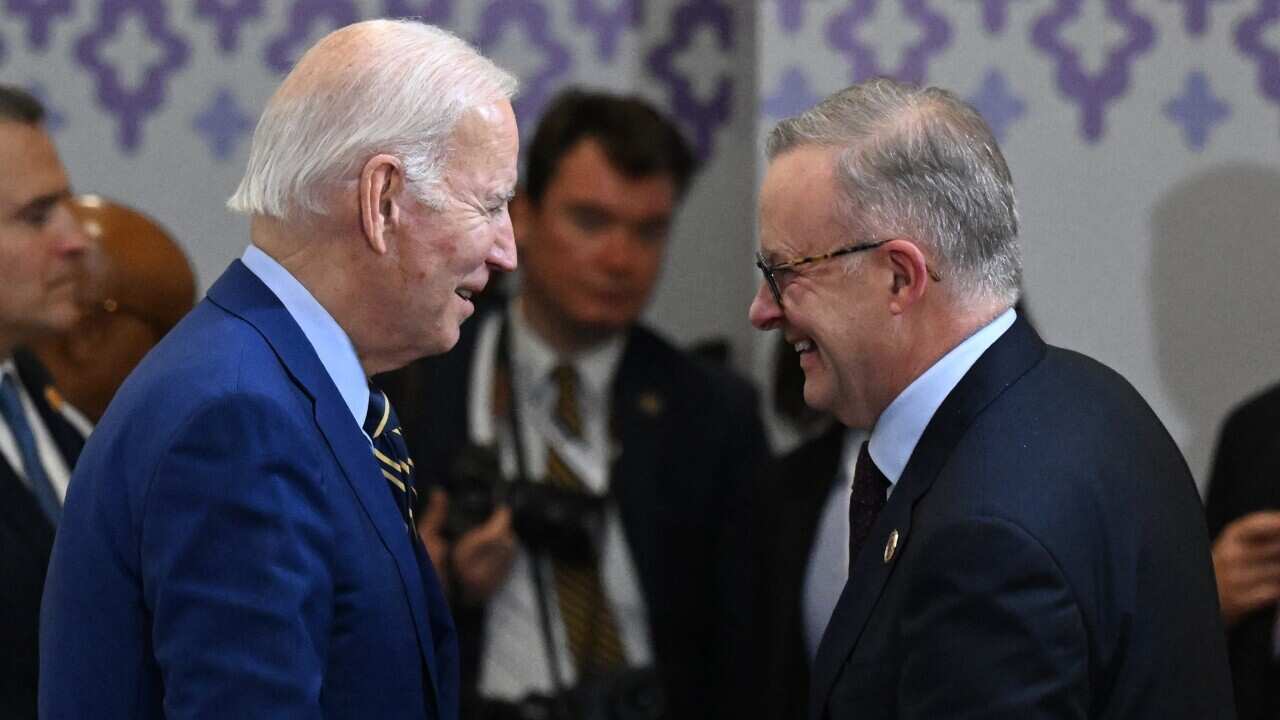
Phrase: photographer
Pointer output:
(591, 468)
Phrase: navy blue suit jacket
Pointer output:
(229, 547)
(1052, 561)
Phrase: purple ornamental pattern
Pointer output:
(432, 11)
(842, 34)
(704, 116)
(791, 14)
(997, 103)
(131, 105)
(222, 123)
(608, 24)
(284, 49)
(792, 96)
(1197, 110)
(1093, 92)
(536, 90)
(1251, 40)
(40, 14)
(995, 15)
(1196, 15)
(227, 17)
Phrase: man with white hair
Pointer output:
(238, 541)
(1025, 538)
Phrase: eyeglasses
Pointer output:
(771, 279)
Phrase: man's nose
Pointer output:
(765, 313)
(502, 254)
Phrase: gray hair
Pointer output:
(380, 86)
(920, 162)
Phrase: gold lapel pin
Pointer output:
(890, 547)
(53, 397)
(650, 403)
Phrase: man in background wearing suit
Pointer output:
(238, 537)
(1025, 538)
(599, 404)
(1243, 508)
(42, 250)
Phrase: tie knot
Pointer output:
(869, 484)
(377, 419)
(566, 411)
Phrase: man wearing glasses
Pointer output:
(1025, 538)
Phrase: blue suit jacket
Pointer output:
(229, 547)
(1052, 561)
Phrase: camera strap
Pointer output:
(505, 378)
(504, 382)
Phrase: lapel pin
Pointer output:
(53, 397)
(890, 547)
(650, 403)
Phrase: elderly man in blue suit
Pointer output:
(237, 538)
(1025, 538)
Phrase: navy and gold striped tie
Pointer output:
(383, 428)
(589, 622)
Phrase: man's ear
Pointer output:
(910, 273)
(523, 212)
(381, 192)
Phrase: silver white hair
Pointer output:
(921, 163)
(380, 86)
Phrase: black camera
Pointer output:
(563, 522)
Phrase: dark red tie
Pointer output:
(865, 503)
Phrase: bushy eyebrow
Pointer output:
(40, 203)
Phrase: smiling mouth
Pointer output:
(803, 346)
(463, 293)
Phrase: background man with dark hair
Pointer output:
(600, 405)
(1025, 538)
(42, 249)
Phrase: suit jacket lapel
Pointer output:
(1016, 352)
(241, 293)
(640, 423)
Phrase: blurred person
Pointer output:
(560, 403)
(42, 250)
(140, 286)
(1243, 510)
(238, 540)
(1025, 538)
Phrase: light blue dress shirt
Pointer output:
(900, 426)
(334, 348)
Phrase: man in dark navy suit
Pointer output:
(1025, 538)
(238, 540)
(42, 248)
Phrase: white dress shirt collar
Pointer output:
(533, 359)
(899, 428)
(327, 338)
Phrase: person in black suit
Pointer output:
(1243, 510)
(562, 380)
(41, 250)
(1026, 539)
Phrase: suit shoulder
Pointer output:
(1262, 409)
(701, 380)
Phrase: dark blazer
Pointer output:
(690, 439)
(1246, 479)
(790, 496)
(1052, 561)
(229, 547)
(26, 538)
